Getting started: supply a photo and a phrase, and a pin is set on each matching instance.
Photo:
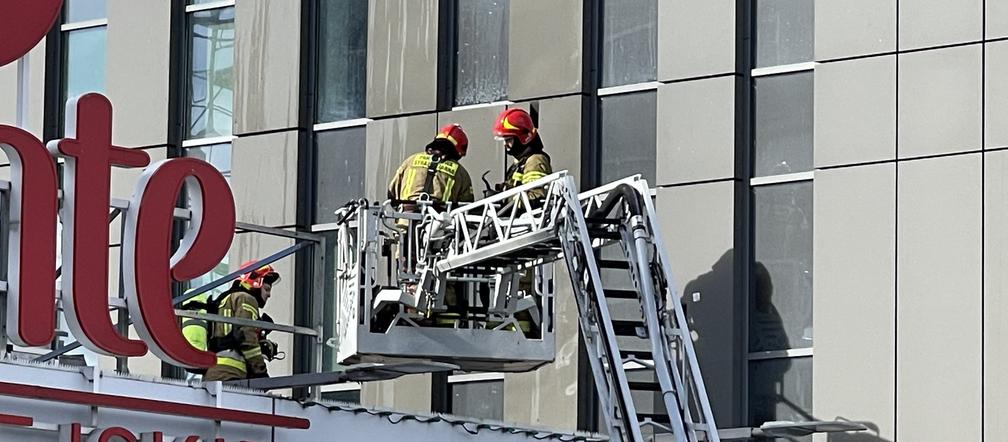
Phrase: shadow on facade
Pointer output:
(715, 312)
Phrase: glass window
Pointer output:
(84, 10)
(346, 396)
(482, 58)
(629, 42)
(339, 170)
(211, 89)
(342, 59)
(629, 136)
(780, 310)
(480, 400)
(85, 62)
(784, 32)
(780, 390)
(783, 132)
(219, 155)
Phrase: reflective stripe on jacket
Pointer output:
(450, 184)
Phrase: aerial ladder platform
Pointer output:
(473, 286)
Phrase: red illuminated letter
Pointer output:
(31, 264)
(24, 23)
(148, 269)
(90, 156)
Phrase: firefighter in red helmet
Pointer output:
(435, 171)
(239, 350)
(522, 142)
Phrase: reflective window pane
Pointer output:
(339, 173)
(480, 400)
(84, 10)
(85, 62)
(347, 396)
(482, 57)
(629, 42)
(783, 132)
(211, 81)
(784, 32)
(628, 136)
(219, 155)
(342, 59)
(780, 309)
(780, 390)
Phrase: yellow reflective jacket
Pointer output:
(241, 305)
(527, 169)
(451, 182)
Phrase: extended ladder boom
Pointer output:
(511, 232)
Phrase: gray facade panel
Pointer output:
(533, 23)
(995, 286)
(485, 153)
(402, 56)
(855, 117)
(267, 65)
(854, 296)
(996, 95)
(696, 139)
(925, 23)
(939, 299)
(36, 89)
(139, 34)
(389, 142)
(696, 38)
(939, 101)
(698, 230)
(560, 129)
(854, 27)
(264, 195)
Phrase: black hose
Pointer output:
(623, 192)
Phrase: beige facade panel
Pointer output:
(267, 65)
(852, 28)
(532, 23)
(926, 23)
(997, 19)
(697, 227)
(996, 95)
(697, 134)
(696, 39)
(9, 94)
(855, 111)
(560, 129)
(939, 100)
(995, 303)
(485, 153)
(35, 113)
(402, 56)
(249, 246)
(264, 195)
(139, 36)
(854, 296)
(548, 396)
(939, 299)
(124, 183)
(410, 394)
(389, 142)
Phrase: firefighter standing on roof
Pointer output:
(521, 140)
(436, 171)
(239, 354)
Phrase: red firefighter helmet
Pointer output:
(256, 278)
(455, 135)
(517, 123)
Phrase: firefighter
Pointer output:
(196, 331)
(435, 171)
(521, 140)
(239, 353)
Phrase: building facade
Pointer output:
(831, 166)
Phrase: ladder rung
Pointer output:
(613, 264)
(603, 234)
(605, 221)
(620, 294)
